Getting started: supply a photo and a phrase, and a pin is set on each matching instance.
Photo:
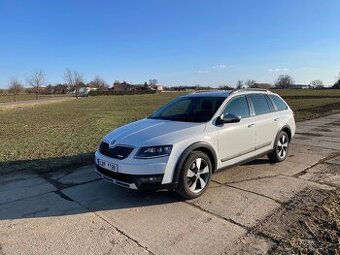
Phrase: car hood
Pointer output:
(148, 132)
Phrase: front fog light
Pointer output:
(150, 179)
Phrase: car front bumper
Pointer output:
(135, 174)
(136, 182)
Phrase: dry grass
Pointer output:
(20, 98)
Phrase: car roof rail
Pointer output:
(248, 89)
(203, 90)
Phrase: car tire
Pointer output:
(195, 175)
(281, 148)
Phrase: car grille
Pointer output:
(118, 152)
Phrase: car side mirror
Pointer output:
(229, 118)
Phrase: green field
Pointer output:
(308, 92)
(66, 134)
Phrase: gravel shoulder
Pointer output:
(309, 224)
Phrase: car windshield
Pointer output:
(189, 109)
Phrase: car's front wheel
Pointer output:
(195, 175)
(281, 147)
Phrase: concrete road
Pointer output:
(73, 212)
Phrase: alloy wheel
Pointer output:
(198, 175)
(282, 146)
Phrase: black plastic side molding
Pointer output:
(185, 154)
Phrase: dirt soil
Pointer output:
(309, 224)
(321, 109)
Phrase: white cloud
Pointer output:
(202, 71)
(310, 69)
(219, 66)
(208, 70)
(278, 70)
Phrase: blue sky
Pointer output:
(175, 41)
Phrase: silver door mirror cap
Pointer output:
(228, 118)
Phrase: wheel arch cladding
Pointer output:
(285, 129)
(210, 154)
(199, 146)
(288, 131)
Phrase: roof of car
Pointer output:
(210, 93)
(224, 93)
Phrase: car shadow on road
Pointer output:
(59, 187)
(50, 164)
(258, 161)
(42, 193)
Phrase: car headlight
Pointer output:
(153, 152)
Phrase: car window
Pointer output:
(179, 108)
(189, 109)
(260, 103)
(278, 102)
(271, 104)
(238, 106)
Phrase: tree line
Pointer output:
(37, 81)
(74, 81)
(284, 81)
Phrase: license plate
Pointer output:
(107, 165)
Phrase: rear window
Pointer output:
(280, 104)
(260, 103)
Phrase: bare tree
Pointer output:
(99, 83)
(225, 87)
(239, 84)
(36, 80)
(15, 88)
(284, 81)
(318, 84)
(250, 83)
(74, 80)
(153, 82)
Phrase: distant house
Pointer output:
(89, 88)
(83, 91)
(159, 88)
(299, 86)
(121, 86)
(138, 87)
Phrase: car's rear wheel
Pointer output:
(281, 147)
(195, 175)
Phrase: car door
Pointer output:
(266, 120)
(236, 139)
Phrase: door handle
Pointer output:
(251, 125)
(276, 119)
